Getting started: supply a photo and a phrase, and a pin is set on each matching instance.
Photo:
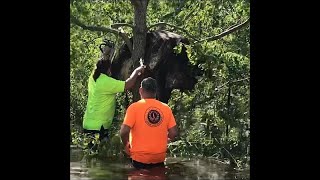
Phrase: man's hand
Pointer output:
(127, 149)
(124, 134)
(140, 69)
(133, 77)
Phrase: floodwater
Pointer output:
(175, 169)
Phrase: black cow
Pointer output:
(171, 70)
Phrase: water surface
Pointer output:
(175, 169)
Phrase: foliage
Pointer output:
(213, 119)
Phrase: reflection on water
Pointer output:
(175, 169)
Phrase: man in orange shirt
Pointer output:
(146, 128)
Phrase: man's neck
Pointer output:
(148, 97)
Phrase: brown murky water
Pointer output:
(175, 169)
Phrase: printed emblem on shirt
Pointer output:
(153, 116)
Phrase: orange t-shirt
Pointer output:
(149, 120)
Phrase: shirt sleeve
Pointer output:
(129, 118)
(110, 85)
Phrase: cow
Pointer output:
(170, 69)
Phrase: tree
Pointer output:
(138, 46)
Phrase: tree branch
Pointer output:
(229, 31)
(126, 39)
(75, 21)
(117, 25)
(122, 34)
(176, 27)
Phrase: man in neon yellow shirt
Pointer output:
(101, 102)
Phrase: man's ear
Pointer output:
(140, 91)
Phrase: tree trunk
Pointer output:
(139, 39)
(140, 29)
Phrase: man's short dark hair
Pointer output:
(149, 84)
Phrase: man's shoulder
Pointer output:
(163, 105)
(107, 78)
(143, 102)
(133, 105)
(104, 79)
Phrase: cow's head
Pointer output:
(179, 72)
(171, 70)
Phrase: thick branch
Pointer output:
(176, 27)
(123, 35)
(75, 21)
(117, 25)
(229, 31)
